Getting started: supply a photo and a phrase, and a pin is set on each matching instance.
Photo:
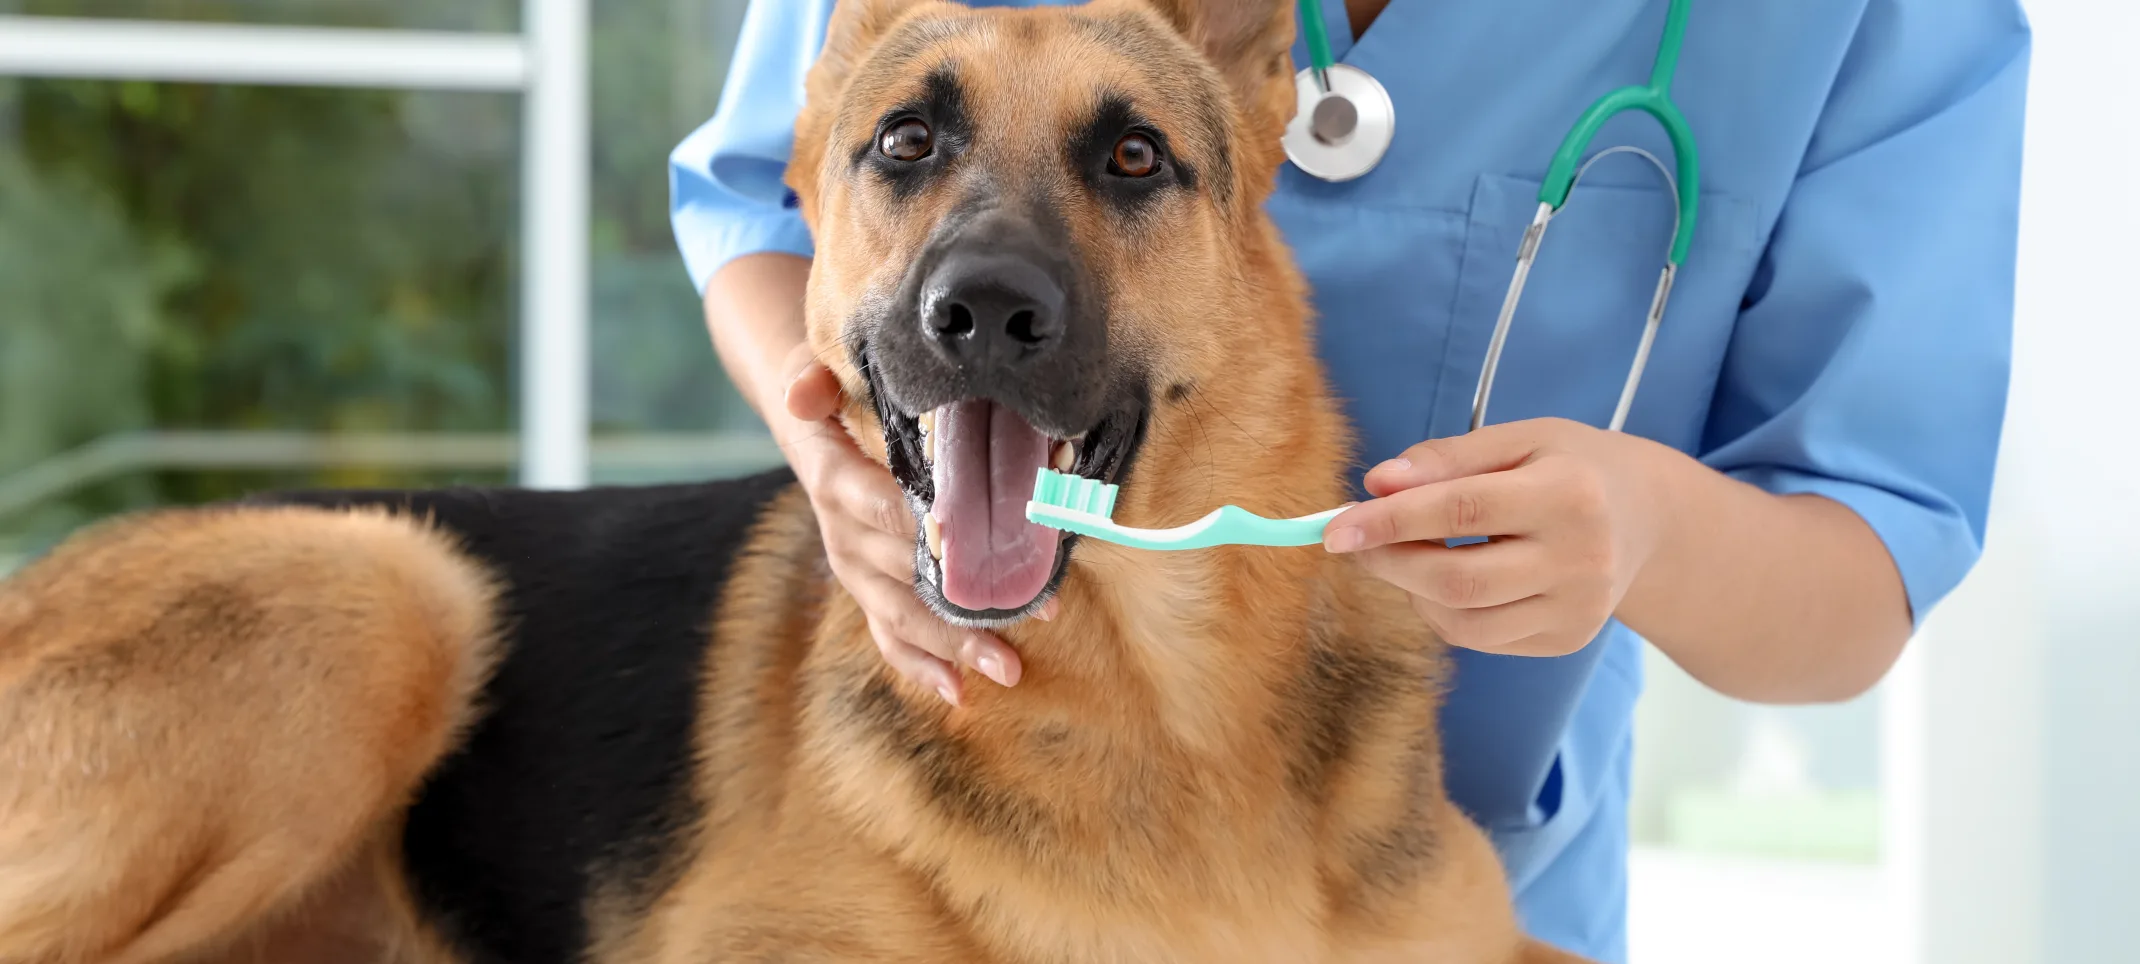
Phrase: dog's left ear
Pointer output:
(855, 29)
(1251, 43)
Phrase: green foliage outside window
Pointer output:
(180, 256)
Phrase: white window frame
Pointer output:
(546, 63)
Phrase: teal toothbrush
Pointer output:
(1081, 505)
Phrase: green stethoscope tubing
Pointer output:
(1567, 167)
(1655, 99)
(1317, 33)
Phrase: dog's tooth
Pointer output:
(934, 532)
(928, 421)
(1065, 456)
(928, 447)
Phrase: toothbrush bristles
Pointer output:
(1075, 493)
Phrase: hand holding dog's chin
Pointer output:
(1574, 512)
(869, 542)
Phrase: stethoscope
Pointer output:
(1345, 122)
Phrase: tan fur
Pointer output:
(187, 750)
(210, 722)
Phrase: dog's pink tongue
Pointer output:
(986, 457)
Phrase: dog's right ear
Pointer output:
(1250, 42)
(855, 29)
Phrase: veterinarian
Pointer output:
(1805, 470)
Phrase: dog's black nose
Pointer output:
(982, 307)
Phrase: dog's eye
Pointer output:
(909, 140)
(1135, 156)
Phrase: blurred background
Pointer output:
(210, 284)
(251, 243)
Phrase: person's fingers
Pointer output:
(814, 395)
(915, 625)
(990, 657)
(1489, 630)
(912, 624)
(916, 664)
(1537, 627)
(885, 555)
(1494, 504)
(864, 491)
(1490, 449)
(897, 617)
(1466, 577)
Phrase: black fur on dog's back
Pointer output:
(580, 762)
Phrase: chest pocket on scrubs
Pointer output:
(1384, 277)
(1581, 318)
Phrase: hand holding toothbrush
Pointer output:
(1784, 598)
(1574, 513)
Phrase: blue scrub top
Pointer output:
(1841, 326)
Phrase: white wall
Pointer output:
(2025, 836)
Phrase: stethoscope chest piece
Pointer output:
(1340, 134)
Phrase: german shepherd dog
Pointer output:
(645, 724)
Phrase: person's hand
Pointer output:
(869, 541)
(1574, 513)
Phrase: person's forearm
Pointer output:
(754, 311)
(1784, 599)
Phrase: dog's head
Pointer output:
(1040, 242)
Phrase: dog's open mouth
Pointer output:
(982, 458)
(968, 468)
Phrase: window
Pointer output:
(271, 243)
(201, 277)
(469, 15)
(1751, 823)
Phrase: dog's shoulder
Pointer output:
(579, 769)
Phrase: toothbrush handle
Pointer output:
(1238, 526)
